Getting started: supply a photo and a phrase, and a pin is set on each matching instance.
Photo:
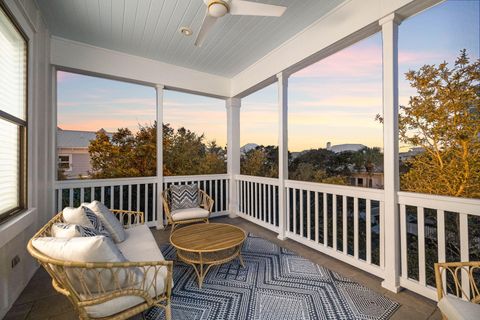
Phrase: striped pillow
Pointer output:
(184, 197)
(84, 217)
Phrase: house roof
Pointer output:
(75, 138)
(346, 147)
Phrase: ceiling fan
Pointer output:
(219, 8)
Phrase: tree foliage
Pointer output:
(443, 118)
(127, 154)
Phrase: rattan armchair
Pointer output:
(142, 276)
(206, 202)
(456, 269)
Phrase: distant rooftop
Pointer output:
(75, 138)
(345, 147)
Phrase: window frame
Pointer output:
(59, 162)
(22, 128)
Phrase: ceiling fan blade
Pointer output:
(248, 8)
(207, 24)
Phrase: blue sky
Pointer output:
(333, 100)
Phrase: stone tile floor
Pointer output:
(40, 301)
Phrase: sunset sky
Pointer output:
(333, 100)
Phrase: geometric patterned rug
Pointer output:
(275, 284)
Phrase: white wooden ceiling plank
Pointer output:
(223, 55)
(105, 16)
(163, 20)
(141, 21)
(149, 28)
(176, 37)
(151, 24)
(117, 22)
(184, 46)
(131, 7)
(171, 28)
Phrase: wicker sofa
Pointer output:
(145, 280)
(460, 305)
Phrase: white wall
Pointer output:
(15, 233)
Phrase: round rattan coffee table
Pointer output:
(204, 245)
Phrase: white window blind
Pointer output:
(12, 115)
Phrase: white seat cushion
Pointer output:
(139, 245)
(458, 309)
(190, 213)
(120, 304)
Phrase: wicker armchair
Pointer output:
(206, 203)
(142, 276)
(455, 269)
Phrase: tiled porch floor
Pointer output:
(40, 301)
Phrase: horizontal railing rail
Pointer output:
(436, 228)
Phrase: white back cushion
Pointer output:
(86, 249)
(108, 219)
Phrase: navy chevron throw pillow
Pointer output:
(184, 196)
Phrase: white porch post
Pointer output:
(391, 224)
(282, 152)
(233, 151)
(159, 203)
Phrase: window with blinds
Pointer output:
(13, 117)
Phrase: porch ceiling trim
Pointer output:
(84, 58)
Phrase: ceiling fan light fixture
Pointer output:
(186, 31)
(217, 8)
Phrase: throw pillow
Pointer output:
(66, 230)
(184, 197)
(84, 217)
(108, 219)
(88, 249)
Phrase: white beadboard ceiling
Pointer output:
(149, 28)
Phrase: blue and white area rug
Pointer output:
(275, 284)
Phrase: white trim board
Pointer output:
(72, 55)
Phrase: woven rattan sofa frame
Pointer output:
(206, 202)
(61, 282)
(455, 269)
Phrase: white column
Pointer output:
(282, 152)
(159, 189)
(233, 151)
(389, 26)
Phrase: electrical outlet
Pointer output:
(15, 261)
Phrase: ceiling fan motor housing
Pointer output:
(218, 8)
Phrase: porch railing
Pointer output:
(435, 228)
(341, 221)
(258, 200)
(137, 193)
(344, 222)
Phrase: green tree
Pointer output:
(125, 154)
(443, 118)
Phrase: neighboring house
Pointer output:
(72, 152)
(412, 152)
(366, 180)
